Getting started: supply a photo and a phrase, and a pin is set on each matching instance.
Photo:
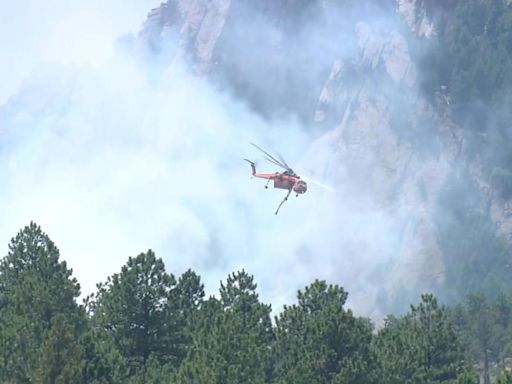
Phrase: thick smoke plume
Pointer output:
(114, 159)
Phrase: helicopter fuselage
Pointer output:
(287, 180)
(284, 181)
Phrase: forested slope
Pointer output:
(144, 325)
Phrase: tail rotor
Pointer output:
(253, 166)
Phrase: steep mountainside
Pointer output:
(348, 73)
(402, 106)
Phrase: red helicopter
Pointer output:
(283, 180)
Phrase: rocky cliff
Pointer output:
(350, 77)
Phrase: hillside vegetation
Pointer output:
(144, 325)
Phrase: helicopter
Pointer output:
(288, 179)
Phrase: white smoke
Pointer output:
(111, 163)
(34, 31)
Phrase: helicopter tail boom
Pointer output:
(253, 166)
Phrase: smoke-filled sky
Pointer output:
(111, 163)
(34, 31)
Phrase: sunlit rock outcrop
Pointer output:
(415, 14)
(374, 134)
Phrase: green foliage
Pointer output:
(472, 52)
(470, 60)
(34, 281)
(103, 361)
(502, 328)
(144, 327)
(421, 347)
(505, 377)
(468, 377)
(231, 337)
(154, 373)
(186, 299)
(37, 293)
(140, 322)
(318, 341)
(475, 257)
(486, 328)
(188, 294)
(61, 360)
(131, 310)
(469, 63)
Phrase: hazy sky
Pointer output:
(33, 31)
(112, 162)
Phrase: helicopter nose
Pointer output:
(300, 187)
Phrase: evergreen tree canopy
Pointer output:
(231, 337)
(318, 341)
(37, 292)
(131, 309)
(421, 347)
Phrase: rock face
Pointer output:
(361, 99)
(501, 213)
(377, 160)
(245, 46)
(195, 25)
(415, 15)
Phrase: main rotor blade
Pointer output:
(276, 163)
(283, 161)
(285, 166)
(291, 171)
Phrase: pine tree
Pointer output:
(185, 300)
(103, 363)
(35, 287)
(130, 309)
(61, 360)
(485, 327)
(318, 341)
(480, 327)
(231, 337)
(422, 347)
(501, 310)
